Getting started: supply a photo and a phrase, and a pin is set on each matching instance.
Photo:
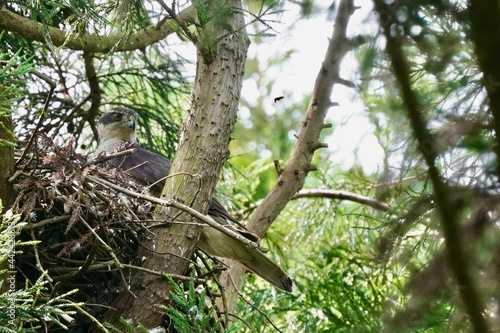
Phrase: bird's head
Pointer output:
(118, 124)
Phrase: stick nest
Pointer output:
(85, 232)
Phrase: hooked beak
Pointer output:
(131, 123)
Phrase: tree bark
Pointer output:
(6, 171)
(201, 154)
(485, 33)
(32, 30)
(293, 175)
(6, 160)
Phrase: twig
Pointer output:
(15, 175)
(254, 306)
(277, 167)
(91, 317)
(95, 90)
(247, 324)
(433, 277)
(219, 285)
(73, 114)
(110, 251)
(224, 301)
(207, 219)
(392, 183)
(105, 158)
(43, 272)
(161, 223)
(174, 276)
(485, 34)
(88, 262)
(211, 295)
(42, 223)
(180, 23)
(166, 253)
(107, 264)
(42, 115)
(343, 195)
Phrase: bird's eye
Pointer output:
(117, 116)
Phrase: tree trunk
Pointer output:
(6, 160)
(200, 157)
(485, 33)
(6, 171)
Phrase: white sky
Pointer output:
(309, 38)
(296, 77)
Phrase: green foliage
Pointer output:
(191, 314)
(9, 229)
(12, 69)
(202, 13)
(149, 81)
(127, 327)
(351, 265)
(355, 269)
(26, 308)
(346, 294)
(211, 25)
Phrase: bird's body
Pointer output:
(117, 130)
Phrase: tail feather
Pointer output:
(268, 270)
(219, 244)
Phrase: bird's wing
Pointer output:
(144, 166)
(151, 169)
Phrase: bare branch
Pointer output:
(92, 43)
(292, 177)
(343, 195)
(485, 33)
(104, 158)
(106, 266)
(346, 82)
(205, 218)
(45, 222)
(171, 11)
